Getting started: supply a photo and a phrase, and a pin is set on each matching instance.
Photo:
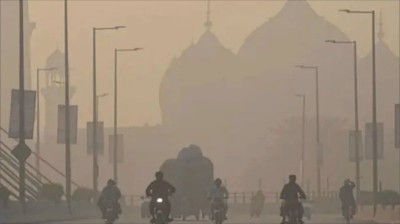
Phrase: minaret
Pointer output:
(208, 23)
(53, 92)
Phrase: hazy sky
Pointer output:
(164, 29)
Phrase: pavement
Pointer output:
(317, 219)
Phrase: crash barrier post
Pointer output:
(131, 200)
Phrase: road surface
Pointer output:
(317, 219)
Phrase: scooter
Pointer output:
(159, 212)
(111, 212)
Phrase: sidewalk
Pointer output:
(387, 216)
(46, 212)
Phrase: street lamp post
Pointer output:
(374, 126)
(303, 131)
(319, 153)
(22, 151)
(1, 83)
(115, 143)
(37, 161)
(95, 161)
(356, 123)
(68, 178)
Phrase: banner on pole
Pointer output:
(29, 113)
(397, 126)
(99, 138)
(120, 148)
(369, 140)
(353, 135)
(73, 127)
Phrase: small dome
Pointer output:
(56, 60)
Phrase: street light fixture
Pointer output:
(303, 97)
(59, 82)
(97, 103)
(38, 119)
(374, 107)
(356, 123)
(95, 161)
(115, 143)
(319, 152)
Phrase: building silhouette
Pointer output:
(229, 104)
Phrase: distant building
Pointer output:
(227, 104)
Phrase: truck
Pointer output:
(192, 174)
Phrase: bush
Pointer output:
(52, 192)
(83, 194)
(4, 195)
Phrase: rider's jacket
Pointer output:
(218, 193)
(110, 192)
(160, 189)
(346, 194)
(291, 192)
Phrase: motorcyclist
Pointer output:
(160, 188)
(257, 203)
(290, 194)
(109, 192)
(217, 195)
(347, 198)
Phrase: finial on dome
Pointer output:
(381, 34)
(208, 22)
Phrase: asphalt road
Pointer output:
(317, 219)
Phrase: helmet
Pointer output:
(111, 182)
(159, 175)
(218, 182)
(346, 182)
(292, 178)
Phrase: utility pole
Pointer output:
(115, 143)
(95, 159)
(67, 112)
(356, 120)
(303, 131)
(374, 108)
(21, 151)
(319, 149)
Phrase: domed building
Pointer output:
(232, 103)
(387, 95)
(184, 93)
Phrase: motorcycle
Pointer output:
(159, 211)
(218, 211)
(293, 213)
(111, 212)
(348, 213)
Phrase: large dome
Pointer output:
(295, 33)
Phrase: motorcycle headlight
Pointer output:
(159, 200)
